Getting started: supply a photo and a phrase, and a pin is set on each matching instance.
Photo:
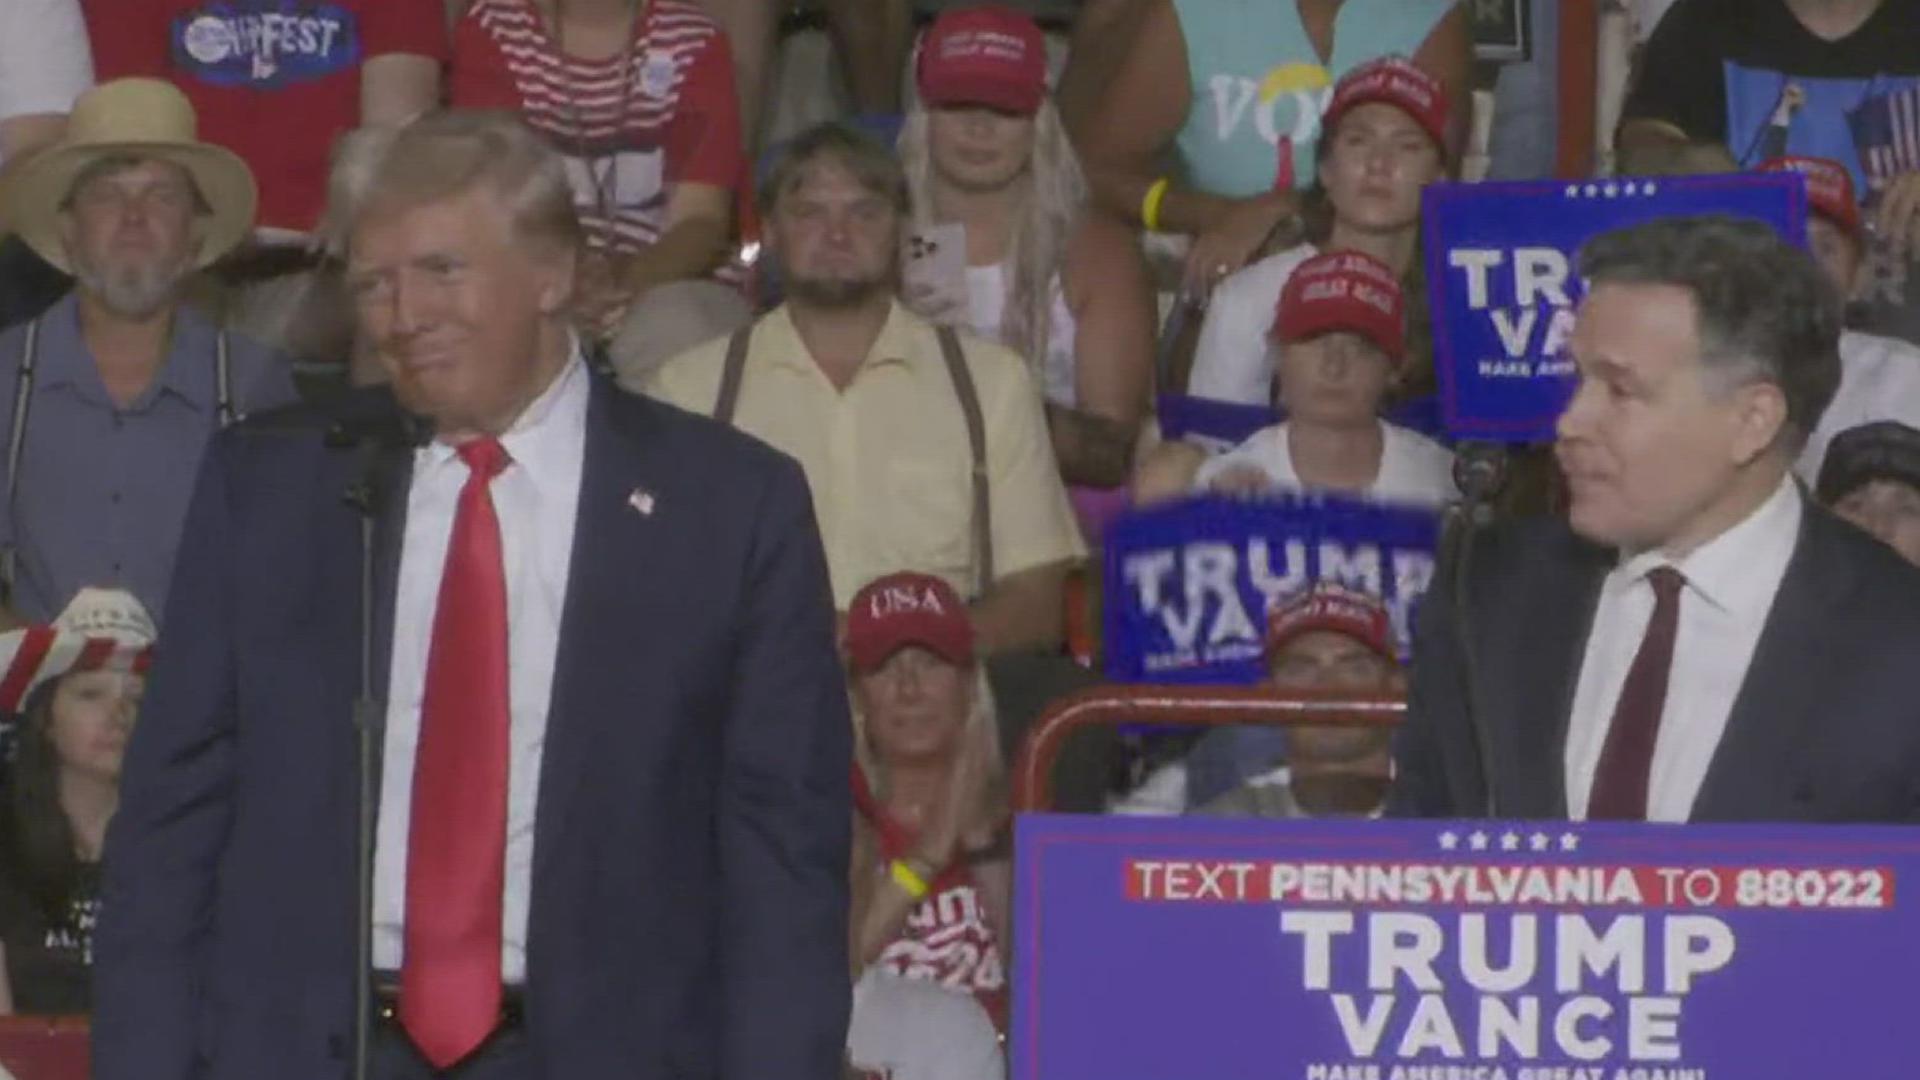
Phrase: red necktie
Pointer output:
(1626, 762)
(456, 843)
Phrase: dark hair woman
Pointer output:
(82, 680)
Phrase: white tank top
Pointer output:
(986, 303)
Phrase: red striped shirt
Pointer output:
(629, 135)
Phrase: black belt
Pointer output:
(386, 1002)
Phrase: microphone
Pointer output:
(1479, 471)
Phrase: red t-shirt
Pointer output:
(275, 81)
(672, 116)
(947, 938)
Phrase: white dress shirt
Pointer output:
(1731, 583)
(535, 498)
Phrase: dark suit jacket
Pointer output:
(689, 891)
(1826, 727)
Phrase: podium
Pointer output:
(44, 1048)
(1154, 948)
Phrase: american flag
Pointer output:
(1887, 131)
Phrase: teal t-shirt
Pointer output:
(1259, 88)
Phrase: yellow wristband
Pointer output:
(1150, 204)
(909, 879)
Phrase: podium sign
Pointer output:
(1160, 949)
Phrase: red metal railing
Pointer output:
(44, 1047)
(1177, 706)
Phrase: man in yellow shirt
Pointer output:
(886, 418)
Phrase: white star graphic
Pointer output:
(1510, 842)
(1593, 190)
(1630, 188)
(1540, 841)
(1573, 191)
(1569, 842)
(1612, 190)
(1478, 841)
(1651, 188)
(1449, 841)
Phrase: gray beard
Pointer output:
(132, 292)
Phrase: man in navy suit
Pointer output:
(613, 813)
(1699, 641)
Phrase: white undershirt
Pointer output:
(1731, 583)
(1414, 469)
(536, 498)
(986, 314)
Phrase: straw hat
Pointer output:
(146, 118)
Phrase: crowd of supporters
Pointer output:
(946, 306)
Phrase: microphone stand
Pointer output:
(373, 426)
(364, 495)
(1480, 472)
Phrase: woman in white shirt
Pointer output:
(1382, 140)
(990, 170)
(1341, 332)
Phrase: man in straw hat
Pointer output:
(110, 396)
(613, 805)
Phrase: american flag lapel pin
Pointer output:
(642, 501)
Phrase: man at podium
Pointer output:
(1698, 641)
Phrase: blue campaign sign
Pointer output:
(1500, 273)
(1188, 585)
(1153, 949)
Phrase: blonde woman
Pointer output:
(932, 873)
(984, 149)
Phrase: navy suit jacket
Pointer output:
(689, 889)
(1825, 728)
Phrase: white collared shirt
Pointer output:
(1731, 583)
(535, 497)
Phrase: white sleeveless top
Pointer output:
(986, 304)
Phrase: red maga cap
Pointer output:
(1392, 80)
(1343, 290)
(988, 55)
(1327, 606)
(1829, 188)
(904, 609)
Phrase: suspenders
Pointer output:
(23, 406)
(735, 368)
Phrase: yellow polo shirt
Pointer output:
(888, 458)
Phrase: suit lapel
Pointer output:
(1554, 643)
(608, 581)
(1777, 699)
